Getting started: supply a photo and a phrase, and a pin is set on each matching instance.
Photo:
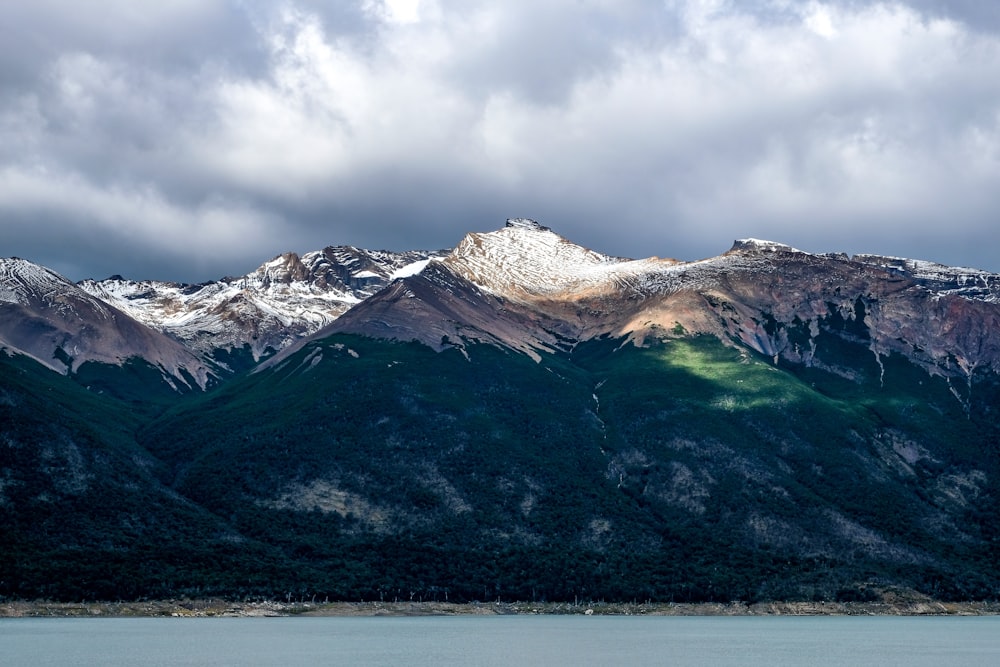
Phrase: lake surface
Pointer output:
(502, 640)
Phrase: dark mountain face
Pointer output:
(530, 419)
(85, 515)
(687, 469)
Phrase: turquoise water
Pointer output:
(503, 640)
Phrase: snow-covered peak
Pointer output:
(63, 326)
(20, 280)
(525, 258)
(362, 272)
(285, 298)
(529, 262)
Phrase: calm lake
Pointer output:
(503, 640)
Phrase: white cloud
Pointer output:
(819, 19)
(328, 111)
(394, 11)
(689, 123)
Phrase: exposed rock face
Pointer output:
(778, 300)
(50, 319)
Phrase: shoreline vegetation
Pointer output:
(226, 608)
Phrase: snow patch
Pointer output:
(410, 269)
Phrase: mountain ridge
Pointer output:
(521, 418)
(266, 309)
(543, 292)
(525, 287)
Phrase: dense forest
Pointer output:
(686, 470)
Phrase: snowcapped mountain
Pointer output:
(48, 318)
(765, 424)
(266, 310)
(526, 288)
(522, 286)
(526, 262)
(813, 408)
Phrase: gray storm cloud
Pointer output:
(198, 138)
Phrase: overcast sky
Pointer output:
(191, 139)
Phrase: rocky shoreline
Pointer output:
(227, 608)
